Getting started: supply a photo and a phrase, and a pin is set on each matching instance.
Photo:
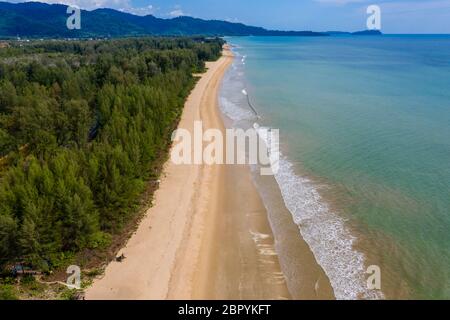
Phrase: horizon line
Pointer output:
(206, 19)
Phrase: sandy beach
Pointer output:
(207, 235)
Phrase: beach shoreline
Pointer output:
(198, 240)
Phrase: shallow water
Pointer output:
(364, 131)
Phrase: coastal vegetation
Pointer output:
(82, 124)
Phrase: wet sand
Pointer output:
(207, 235)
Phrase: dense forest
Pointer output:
(81, 123)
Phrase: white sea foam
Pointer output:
(233, 111)
(326, 234)
(323, 230)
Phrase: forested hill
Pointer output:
(34, 19)
(82, 126)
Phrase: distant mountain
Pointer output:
(40, 20)
(368, 33)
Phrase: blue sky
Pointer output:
(397, 16)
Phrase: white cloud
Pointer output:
(140, 11)
(176, 13)
(232, 20)
(92, 4)
(121, 5)
(340, 2)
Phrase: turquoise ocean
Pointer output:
(365, 139)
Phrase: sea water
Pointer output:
(365, 138)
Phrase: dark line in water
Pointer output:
(251, 106)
